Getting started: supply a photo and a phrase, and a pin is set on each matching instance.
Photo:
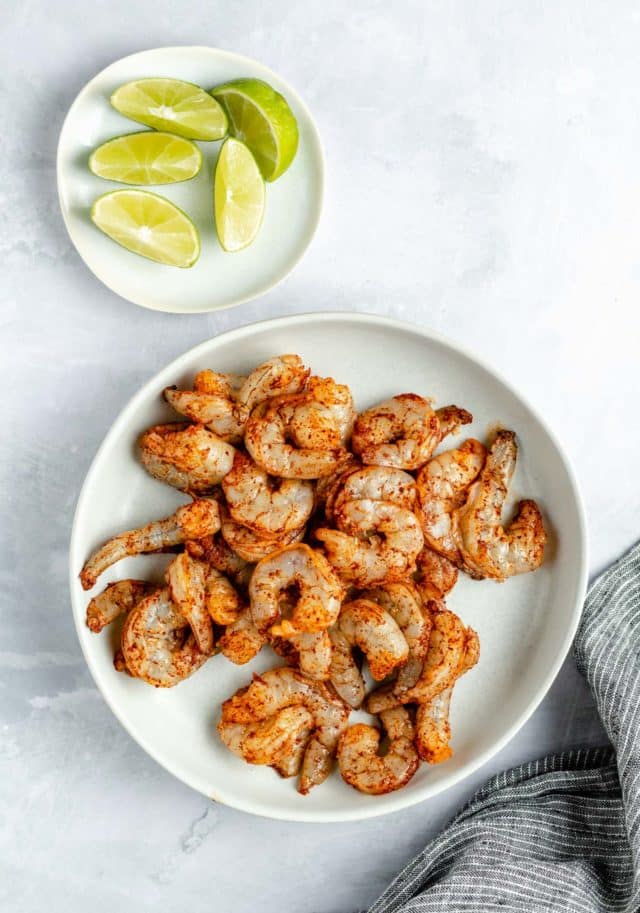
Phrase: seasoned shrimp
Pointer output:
(365, 769)
(252, 546)
(157, 643)
(284, 374)
(450, 646)
(221, 598)
(443, 485)
(364, 624)
(312, 651)
(241, 640)
(404, 605)
(219, 413)
(393, 539)
(186, 579)
(278, 741)
(299, 436)
(191, 521)
(188, 457)
(284, 687)
(376, 483)
(488, 549)
(404, 431)
(436, 575)
(318, 591)
(267, 505)
(116, 599)
(220, 556)
(433, 732)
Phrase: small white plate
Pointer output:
(218, 279)
(526, 625)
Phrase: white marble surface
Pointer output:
(483, 180)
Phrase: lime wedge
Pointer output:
(172, 105)
(238, 196)
(261, 118)
(149, 225)
(146, 158)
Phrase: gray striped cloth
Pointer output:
(561, 833)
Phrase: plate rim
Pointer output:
(317, 816)
(144, 301)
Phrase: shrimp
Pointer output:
(157, 644)
(436, 575)
(284, 374)
(393, 539)
(220, 556)
(221, 597)
(191, 521)
(450, 647)
(116, 599)
(278, 741)
(318, 595)
(301, 436)
(433, 731)
(218, 413)
(328, 487)
(241, 640)
(365, 769)
(404, 431)
(442, 487)
(267, 505)
(312, 652)
(186, 579)
(377, 483)
(284, 687)
(488, 549)
(252, 546)
(188, 457)
(403, 603)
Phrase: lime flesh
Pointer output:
(261, 118)
(239, 196)
(146, 158)
(149, 225)
(172, 105)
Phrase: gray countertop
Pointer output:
(483, 180)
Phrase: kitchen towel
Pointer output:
(561, 833)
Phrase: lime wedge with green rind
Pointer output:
(261, 117)
(146, 158)
(172, 105)
(239, 196)
(148, 225)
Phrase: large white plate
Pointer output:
(218, 279)
(526, 625)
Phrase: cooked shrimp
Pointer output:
(443, 485)
(488, 549)
(433, 732)
(365, 769)
(278, 741)
(225, 385)
(284, 687)
(157, 644)
(328, 486)
(188, 457)
(241, 640)
(186, 577)
(299, 436)
(284, 374)
(435, 576)
(215, 551)
(116, 599)
(312, 651)
(191, 521)
(317, 600)
(344, 672)
(388, 553)
(221, 598)
(404, 431)
(220, 414)
(377, 483)
(450, 645)
(267, 505)
(404, 605)
(252, 546)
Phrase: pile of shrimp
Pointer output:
(331, 538)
